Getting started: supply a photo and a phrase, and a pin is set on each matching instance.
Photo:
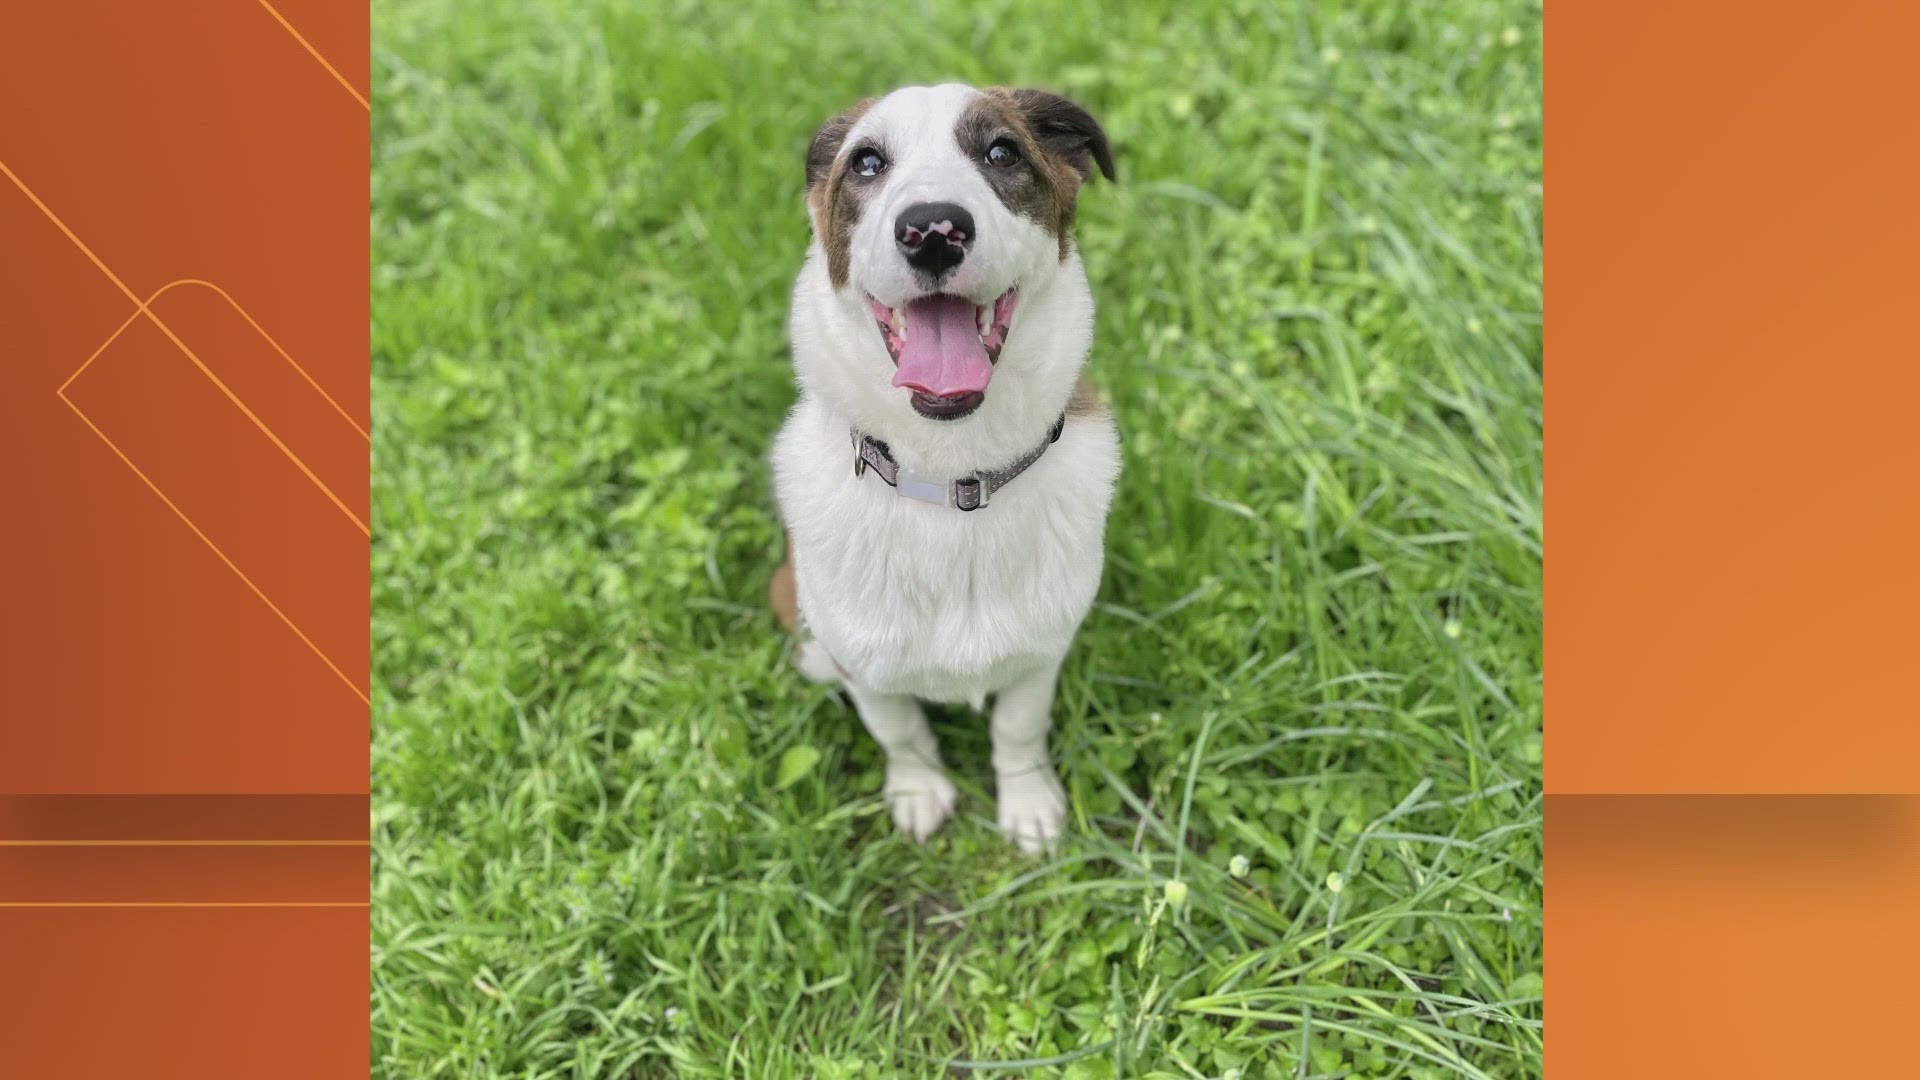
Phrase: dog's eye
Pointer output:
(869, 163)
(1003, 152)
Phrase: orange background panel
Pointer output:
(1736, 936)
(183, 550)
(1732, 370)
(186, 993)
(183, 209)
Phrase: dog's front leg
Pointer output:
(917, 788)
(1032, 804)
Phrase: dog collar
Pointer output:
(970, 492)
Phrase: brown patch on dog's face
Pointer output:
(835, 209)
(1035, 149)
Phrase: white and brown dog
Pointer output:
(946, 473)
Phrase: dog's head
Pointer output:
(938, 211)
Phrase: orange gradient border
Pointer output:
(1733, 841)
(184, 427)
(1732, 830)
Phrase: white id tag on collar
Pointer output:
(921, 488)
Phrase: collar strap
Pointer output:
(970, 492)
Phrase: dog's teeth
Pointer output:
(981, 317)
(900, 322)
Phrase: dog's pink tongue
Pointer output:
(943, 356)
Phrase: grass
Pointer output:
(616, 835)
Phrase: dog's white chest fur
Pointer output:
(914, 598)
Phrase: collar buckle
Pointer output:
(970, 492)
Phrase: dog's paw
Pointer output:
(921, 799)
(1033, 807)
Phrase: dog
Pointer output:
(946, 473)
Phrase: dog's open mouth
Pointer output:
(944, 348)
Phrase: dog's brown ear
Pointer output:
(1066, 130)
(827, 142)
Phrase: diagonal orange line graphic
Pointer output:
(334, 71)
(262, 331)
(257, 422)
(104, 346)
(205, 539)
(77, 242)
(141, 308)
(146, 309)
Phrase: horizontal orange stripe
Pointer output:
(165, 904)
(183, 843)
(200, 820)
(119, 873)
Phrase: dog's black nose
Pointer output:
(934, 236)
